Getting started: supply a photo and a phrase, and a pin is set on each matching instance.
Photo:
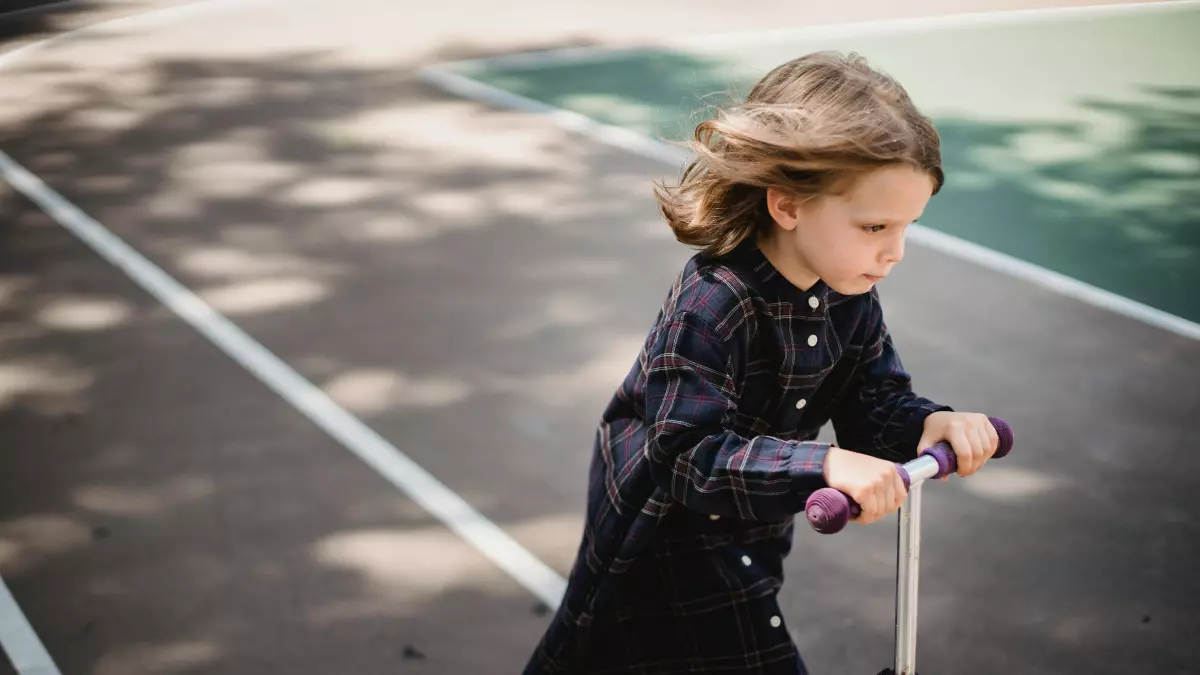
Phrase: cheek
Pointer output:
(835, 251)
(847, 252)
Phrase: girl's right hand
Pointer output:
(872, 482)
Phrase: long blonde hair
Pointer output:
(808, 128)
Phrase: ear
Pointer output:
(784, 208)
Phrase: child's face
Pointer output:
(851, 240)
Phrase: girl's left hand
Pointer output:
(971, 435)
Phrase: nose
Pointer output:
(894, 251)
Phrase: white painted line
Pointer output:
(24, 649)
(599, 53)
(309, 399)
(620, 137)
(1051, 280)
(454, 78)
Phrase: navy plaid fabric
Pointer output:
(704, 456)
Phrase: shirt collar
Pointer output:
(756, 261)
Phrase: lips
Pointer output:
(873, 277)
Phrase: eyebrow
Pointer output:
(888, 221)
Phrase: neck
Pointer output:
(788, 262)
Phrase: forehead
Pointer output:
(891, 194)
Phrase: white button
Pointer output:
(746, 560)
(714, 517)
(814, 302)
(776, 622)
(812, 340)
(800, 404)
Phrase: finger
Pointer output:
(980, 451)
(986, 449)
(962, 450)
(985, 444)
(900, 490)
(977, 456)
(993, 436)
(876, 503)
(866, 508)
(972, 435)
(868, 512)
(886, 497)
(924, 444)
(893, 488)
(883, 496)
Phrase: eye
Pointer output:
(872, 229)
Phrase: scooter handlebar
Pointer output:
(829, 509)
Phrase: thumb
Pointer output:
(925, 443)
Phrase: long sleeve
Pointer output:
(694, 452)
(881, 415)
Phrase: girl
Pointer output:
(798, 200)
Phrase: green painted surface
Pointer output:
(1073, 144)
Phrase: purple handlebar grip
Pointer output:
(828, 509)
(948, 461)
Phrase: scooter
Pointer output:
(828, 510)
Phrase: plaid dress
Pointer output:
(703, 457)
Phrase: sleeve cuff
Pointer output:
(808, 466)
(916, 428)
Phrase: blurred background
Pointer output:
(308, 313)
